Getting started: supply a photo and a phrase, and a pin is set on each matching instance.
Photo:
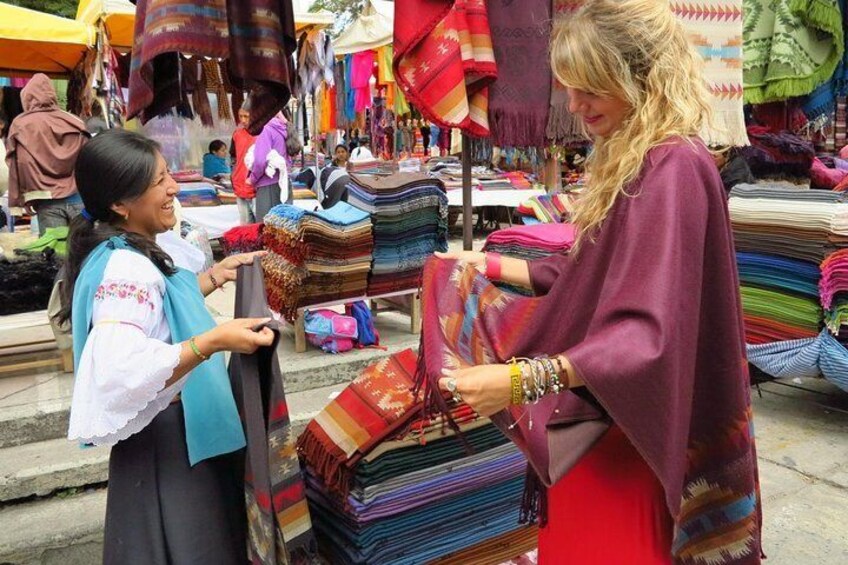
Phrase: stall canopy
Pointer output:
(117, 16)
(33, 42)
(373, 29)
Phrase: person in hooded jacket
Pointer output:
(41, 151)
(269, 144)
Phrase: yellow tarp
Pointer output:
(33, 42)
(117, 15)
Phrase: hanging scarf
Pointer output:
(520, 99)
(277, 513)
(664, 357)
(211, 418)
(444, 61)
(563, 128)
(257, 36)
(790, 47)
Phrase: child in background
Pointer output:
(215, 163)
(245, 192)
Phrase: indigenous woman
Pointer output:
(637, 330)
(150, 378)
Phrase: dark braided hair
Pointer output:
(116, 166)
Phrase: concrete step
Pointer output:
(34, 408)
(45, 467)
(48, 466)
(54, 531)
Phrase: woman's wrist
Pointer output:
(208, 343)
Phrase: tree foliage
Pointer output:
(345, 11)
(64, 8)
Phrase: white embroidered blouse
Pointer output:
(120, 382)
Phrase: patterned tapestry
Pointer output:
(714, 28)
(445, 62)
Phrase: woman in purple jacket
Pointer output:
(272, 139)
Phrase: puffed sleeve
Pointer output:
(120, 383)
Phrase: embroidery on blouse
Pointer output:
(124, 291)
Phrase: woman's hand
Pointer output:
(238, 336)
(486, 388)
(227, 269)
(474, 258)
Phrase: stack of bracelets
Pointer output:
(534, 378)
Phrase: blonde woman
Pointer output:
(640, 321)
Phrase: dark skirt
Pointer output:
(162, 511)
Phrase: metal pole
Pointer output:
(467, 211)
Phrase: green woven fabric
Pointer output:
(789, 47)
(782, 307)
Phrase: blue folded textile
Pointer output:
(812, 357)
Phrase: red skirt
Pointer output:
(609, 509)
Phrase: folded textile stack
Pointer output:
(531, 242)
(386, 485)
(549, 208)
(243, 239)
(197, 194)
(496, 184)
(782, 156)
(409, 212)
(519, 180)
(833, 291)
(187, 176)
(315, 257)
(365, 166)
(782, 235)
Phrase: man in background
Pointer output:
(41, 151)
(245, 192)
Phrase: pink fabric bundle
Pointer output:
(834, 277)
(823, 177)
(555, 238)
(361, 70)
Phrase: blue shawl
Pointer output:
(211, 417)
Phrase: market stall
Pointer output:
(32, 42)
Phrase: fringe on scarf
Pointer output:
(727, 129)
(337, 476)
(563, 127)
(534, 501)
(514, 129)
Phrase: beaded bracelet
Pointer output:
(193, 344)
(214, 280)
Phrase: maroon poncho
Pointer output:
(649, 315)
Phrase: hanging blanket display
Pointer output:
(519, 100)
(256, 36)
(444, 61)
(94, 83)
(388, 485)
(820, 105)
(714, 29)
(791, 47)
(280, 529)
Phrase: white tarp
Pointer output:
(373, 28)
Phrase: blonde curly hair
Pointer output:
(634, 50)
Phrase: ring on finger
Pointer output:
(451, 386)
